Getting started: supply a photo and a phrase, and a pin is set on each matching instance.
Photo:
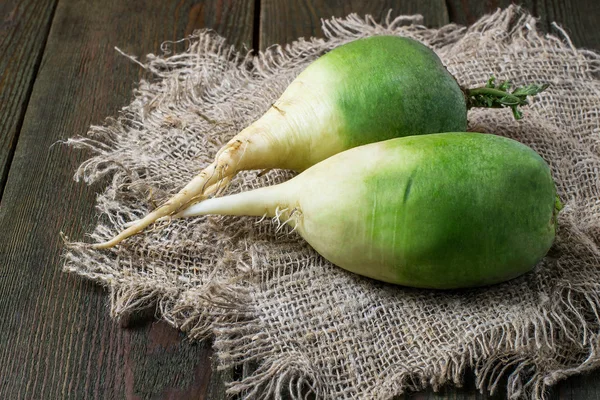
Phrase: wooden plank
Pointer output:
(282, 22)
(579, 18)
(24, 26)
(56, 338)
(465, 12)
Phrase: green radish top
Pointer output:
(370, 90)
(390, 84)
(365, 91)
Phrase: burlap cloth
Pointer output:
(266, 298)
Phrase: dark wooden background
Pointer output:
(59, 73)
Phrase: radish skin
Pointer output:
(442, 211)
(369, 90)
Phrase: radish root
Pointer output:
(212, 180)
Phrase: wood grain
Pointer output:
(56, 338)
(466, 12)
(24, 26)
(579, 18)
(282, 22)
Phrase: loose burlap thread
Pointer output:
(265, 297)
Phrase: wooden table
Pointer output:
(59, 73)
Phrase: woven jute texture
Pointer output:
(267, 299)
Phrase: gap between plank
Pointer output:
(451, 16)
(23, 111)
(256, 27)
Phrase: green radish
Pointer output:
(366, 91)
(449, 210)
